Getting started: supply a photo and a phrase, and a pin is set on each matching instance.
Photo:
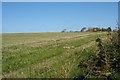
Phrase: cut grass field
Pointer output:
(46, 55)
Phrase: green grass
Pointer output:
(53, 60)
(84, 55)
(23, 38)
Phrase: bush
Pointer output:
(106, 62)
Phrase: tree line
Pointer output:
(94, 29)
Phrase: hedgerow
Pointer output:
(105, 62)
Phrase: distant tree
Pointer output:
(71, 31)
(109, 29)
(64, 30)
(83, 29)
(103, 29)
(89, 29)
(95, 29)
(76, 31)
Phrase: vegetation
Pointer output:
(92, 29)
(46, 55)
(96, 29)
(105, 61)
(64, 30)
(62, 55)
(83, 29)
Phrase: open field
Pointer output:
(46, 55)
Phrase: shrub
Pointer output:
(106, 62)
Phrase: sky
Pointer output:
(22, 17)
(60, 0)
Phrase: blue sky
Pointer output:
(18, 17)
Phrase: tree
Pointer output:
(64, 30)
(109, 29)
(103, 29)
(83, 29)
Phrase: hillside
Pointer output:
(46, 55)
